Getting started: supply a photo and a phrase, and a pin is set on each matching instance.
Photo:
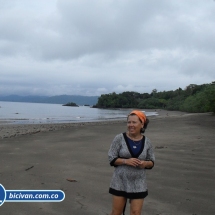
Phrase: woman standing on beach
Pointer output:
(131, 153)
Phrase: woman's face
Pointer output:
(134, 125)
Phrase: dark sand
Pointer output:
(181, 183)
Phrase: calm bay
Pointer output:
(28, 113)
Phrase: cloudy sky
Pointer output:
(94, 47)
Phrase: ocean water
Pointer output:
(27, 113)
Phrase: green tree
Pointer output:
(194, 98)
(203, 101)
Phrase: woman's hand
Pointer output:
(146, 164)
(143, 164)
(133, 162)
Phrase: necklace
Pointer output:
(136, 143)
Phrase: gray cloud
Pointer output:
(93, 47)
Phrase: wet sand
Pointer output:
(182, 181)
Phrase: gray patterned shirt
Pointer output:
(126, 178)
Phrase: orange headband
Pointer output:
(140, 114)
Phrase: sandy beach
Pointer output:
(181, 183)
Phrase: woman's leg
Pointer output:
(136, 206)
(118, 205)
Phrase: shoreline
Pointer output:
(9, 130)
(15, 130)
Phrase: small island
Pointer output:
(71, 104)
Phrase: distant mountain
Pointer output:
(62, 99)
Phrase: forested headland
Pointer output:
(194, 98)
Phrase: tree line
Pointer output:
(194, 98)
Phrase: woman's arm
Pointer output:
(130, 162)
(113, 153)
(148, 163)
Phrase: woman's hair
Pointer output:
(145, 126)
(142, 130)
